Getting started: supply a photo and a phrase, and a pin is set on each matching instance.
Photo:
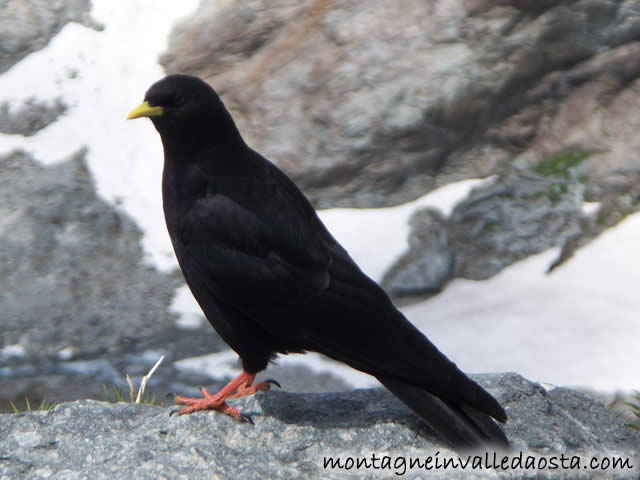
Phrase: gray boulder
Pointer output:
(506, 220)
(295, 434)
(430, 262)
(377, 104)
(30, 117)
(72, 266)
(28, 25)
(369, 106)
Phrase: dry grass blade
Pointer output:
(143, 383)
(132, 389)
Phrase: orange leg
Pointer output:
(240, 386)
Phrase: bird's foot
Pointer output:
(265, 386)
(207, 402)
(241, 386)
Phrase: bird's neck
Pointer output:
(191, 146)
(180, 188)
(186, 177)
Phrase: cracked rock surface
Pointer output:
(293, 433)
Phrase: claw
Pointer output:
(173, 411)
(273, 382)
(245, 419)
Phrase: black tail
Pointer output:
(462, 426)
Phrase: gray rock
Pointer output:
(72, 266)
(295, 433)
(429, 263)
(514, 216)
(80, 375)
(30, 117)
(28, 25)
(75, 280)
(376, 105)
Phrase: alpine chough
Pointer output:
(272, 280)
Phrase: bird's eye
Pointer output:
(168, 100)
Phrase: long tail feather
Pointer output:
(462, 426)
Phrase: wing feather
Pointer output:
(247, 259)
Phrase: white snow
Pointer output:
(375, 237)
(66, 353)
(188, 311)
(577, 326)
(225, 364)
(16, 350)
(114, 69)
(220, 365)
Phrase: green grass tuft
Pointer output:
(45, 405)
(635, 409)
(140, 396)
(560, 164)
(116, 395)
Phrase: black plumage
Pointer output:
(272, 280)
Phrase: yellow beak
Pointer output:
(145, 110)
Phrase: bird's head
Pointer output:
(183, 107)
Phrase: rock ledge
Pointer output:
(294, 434)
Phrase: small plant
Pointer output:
(116, 395)
(560, 164)
(635, 409)
(45, 405)
(135, 398)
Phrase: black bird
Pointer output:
(272, 280)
